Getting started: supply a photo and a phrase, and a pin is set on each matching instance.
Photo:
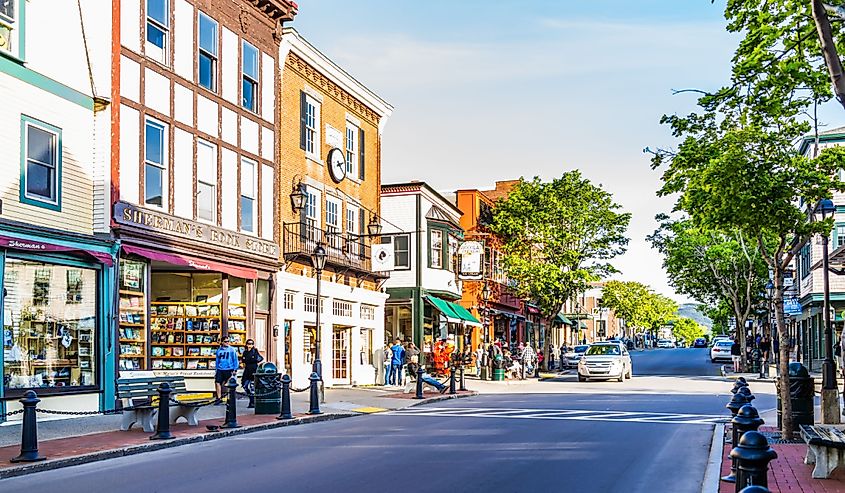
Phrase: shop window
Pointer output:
(309, 347)
(262, 295)
(155, 175)
(247, 195)
(132, 331)
(41, 164)
(249, 77)
(207, 52)
(158, 23)
(366, 346)
(47, 342)
(74, 286)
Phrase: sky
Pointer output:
(494, 90)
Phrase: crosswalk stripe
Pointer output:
(564, 414)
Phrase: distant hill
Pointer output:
(690, 310)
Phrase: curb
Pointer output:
(159, 445)
(444, 397)
(713, 472)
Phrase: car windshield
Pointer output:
(581, 349)
(604, 349)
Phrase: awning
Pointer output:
(194, 263)
(37, 246)
(507, 314)
(533, 310)
(445, 309)
(465, 315)
(582, 325)
(560, 317)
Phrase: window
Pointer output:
(206, 181)
(41, 163)
(352, 239)
(74, 286)
(351, 150)
(310, 124)
(155, 174)
(839, 235)
(249, 77)
(7, 26)
(368, 312)
(342, 308)
(289, 300)
(311, 208)
(309, 343)
(366, 346)
(207, 52)
(158, 22)
(247, 195)
(333, 230)
(262, 295)
(453, 250)
(310, 303)
(402, 251)
(805, 261)
(436, 250)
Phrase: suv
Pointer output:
(605, 360)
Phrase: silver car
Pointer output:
(605, 360)
(573, 356)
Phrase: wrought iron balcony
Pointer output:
(349, 251)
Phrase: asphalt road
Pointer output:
(521, 441)
(679, 361)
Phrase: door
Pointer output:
(262, 336)
(340, 355)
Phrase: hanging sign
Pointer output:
(383, 257)
(471, 254)
(791, 306)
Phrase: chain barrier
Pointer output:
(303, 389)
(10, 413)
(194, 404)
(107, 412)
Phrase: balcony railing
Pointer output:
(342, 249)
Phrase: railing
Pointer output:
(343, 250)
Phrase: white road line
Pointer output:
(565, 415)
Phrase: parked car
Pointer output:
(700, 342)
(719, 338)
(572, 357)
(665, 343)
(605, 360)
(721, 350)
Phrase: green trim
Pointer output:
(400, 293)
(21, 5)
(445, 295)
(57, 206)
(463, 313)
(442, 305)
(560, 317)
(808, 140)
(24, 74)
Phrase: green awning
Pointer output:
(582, 325)
(560, 317)
(445, 308)
(464, 315)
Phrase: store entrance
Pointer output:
(340, 354)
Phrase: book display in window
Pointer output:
(184, 335)
(237, 327)
(132, 315)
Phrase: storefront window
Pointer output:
(49, 325)
(262, 295)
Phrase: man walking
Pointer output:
(225, 364)
(397, 362)
(765, 347)
(736, 355)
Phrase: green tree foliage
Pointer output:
(558, 237)
(638, 305)
(686, 329)
(720, 314)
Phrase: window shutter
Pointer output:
(302, 119)
(361, 147)
(362, 224)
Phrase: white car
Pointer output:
(719, 338)
(665, 343)
(605, 360)
(721, 350)
(572, 357)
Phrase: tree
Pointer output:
(712, 266)
(686, 329)
(638, 305)
(557, 237)
(720, 314)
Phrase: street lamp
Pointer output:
(297, 197)
(374, 227)
(770, 291)
(485, 296)
(830, 398)
(318, 260)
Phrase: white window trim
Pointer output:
(353, 172)
(439, 257)
(314, 155)
(215, 212)
(256, 94)
(14, 30)
(216, 56)
(165, 177)
(165, 28)
(255, 205)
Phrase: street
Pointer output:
(639, 436)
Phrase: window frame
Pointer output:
(158, 25)
(431, 255)
(253, 79)
(213, 57)
(351, 152)
(163, 166)
(397, 266)
(37, 200)
(200, 181)
(16, 26)
(251, 198)
(312, 144)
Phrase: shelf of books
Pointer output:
(184, 335)
(237, 327)
(132, 330)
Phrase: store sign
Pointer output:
(471, 254)
(184, 373)
(791, 306)
(383, 257)
(130, 215)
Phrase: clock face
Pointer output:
(337, 165)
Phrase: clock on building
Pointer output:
(337, 165)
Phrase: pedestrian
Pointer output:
(251, 358)
(387, 358)
(736, 355)
(433, 382)
(397, 362)
(225, 364)
(479, 359)
(412, 359)
(554, 358)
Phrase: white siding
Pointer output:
(157, 91)
(400, 210)
(249, 135)
(130, 79)
(229, 66)
(183, 42)
(130, 24)
(230, 126)
(102, 171)
(267, 143)
(183, 104)
(46, 25)
(229, 210)
(183, 174)
(267, 178)
(207, 116)
(268, 99)
(129, 154)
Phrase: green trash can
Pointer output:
(498, 374)
(268, 394)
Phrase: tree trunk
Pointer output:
(831, 57)
(743, 343)
(787, 426)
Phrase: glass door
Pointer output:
(340, 354)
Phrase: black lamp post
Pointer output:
(374, 227)
(318, 260)
(830, 399)
(297, 197)
(485, 296)
(770, 291)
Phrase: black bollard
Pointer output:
(742, 379)
(737, 401)
(231, 405)
(738, 385)
(746, 392)
(163, 428)
(752, 460)
(755, 489)
(452, 380)
(29, 431)
(286, 414)
(746, 419)
(419, 383)
(315, 394)
(463, 383)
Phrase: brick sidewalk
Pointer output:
(788, 473)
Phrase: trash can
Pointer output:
(498, 374)
(485, 372)
(268, 396)
(801, 393)
(756, 360)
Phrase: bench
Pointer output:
(825, 449)
(140, 392)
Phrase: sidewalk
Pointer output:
(68, 442)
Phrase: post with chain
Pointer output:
(463, 382)
(29, 431)
(419, 394)
(452, 380)
(231, 405)
(163, 428)
(285, 414)
(315, 394)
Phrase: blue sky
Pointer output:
(494, 90)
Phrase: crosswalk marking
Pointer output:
(563, 414)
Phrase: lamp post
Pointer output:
(318, 260)
(770, 291)
(485, 296)
(830, 394)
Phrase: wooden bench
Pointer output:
(140, 392)
(825, 449)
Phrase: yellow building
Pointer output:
(330, 150)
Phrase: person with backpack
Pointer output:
(397, 362)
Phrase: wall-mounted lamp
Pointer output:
(297, 196)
